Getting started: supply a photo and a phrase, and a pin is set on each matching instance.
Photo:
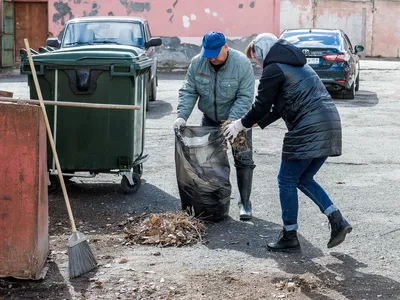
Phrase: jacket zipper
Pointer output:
(215, 97)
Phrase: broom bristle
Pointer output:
(80, 256)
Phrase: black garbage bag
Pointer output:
(202, 171)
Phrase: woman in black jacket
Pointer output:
(291, 90)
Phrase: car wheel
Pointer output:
(147, 102)
(153, 89)
(358, 83)
(350, 94)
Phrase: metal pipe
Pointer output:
(75, 175)
(55, 114)
(71, 104)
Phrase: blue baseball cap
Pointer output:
(213, 42)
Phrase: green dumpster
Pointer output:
(91, 140)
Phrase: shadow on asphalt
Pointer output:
(56, 288)
(97, 205)
(172, 75)
(158, 109)
(344, 276)
(362, 99)
(251, 237)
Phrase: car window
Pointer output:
(147, 29)
(125, 33)
(346, 38)
(312, 39)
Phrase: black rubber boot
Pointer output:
(339, 228)
(287, 242)
(244, 180)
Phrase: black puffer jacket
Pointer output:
(291, 90)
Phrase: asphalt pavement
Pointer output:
(364, 182)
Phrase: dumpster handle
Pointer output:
(141, 159)
(72, 104)
(39, 72)
(118, 73)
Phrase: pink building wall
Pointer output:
(371, 23)
(386, 29)
(355, 18)
(180, 18)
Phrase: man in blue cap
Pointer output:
(222, 81)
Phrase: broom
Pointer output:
(81, 258)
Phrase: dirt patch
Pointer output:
(115, 281)
(129, 271)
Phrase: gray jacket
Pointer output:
(226, 94)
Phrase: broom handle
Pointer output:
(72, 104)
(50, 135)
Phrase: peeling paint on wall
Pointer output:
(93, 12)
(62, 11)
(134, 6)
(177, 54)
(190, 19)
(186, 19)
(95, 9)
(170, 11)
(175, 17)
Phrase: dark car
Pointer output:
(110, 30)
(330, 53)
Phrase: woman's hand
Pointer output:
(233, 130)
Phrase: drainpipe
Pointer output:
(364, 30)
(373, 28)
(314, 12)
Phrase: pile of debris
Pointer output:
(166, 229)
(295, 284)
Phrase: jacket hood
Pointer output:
(285, 53)
(263, 44)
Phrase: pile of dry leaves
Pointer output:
(239, 142)
(167, 229)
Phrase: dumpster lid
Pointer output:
(103, 55)
(103, 48)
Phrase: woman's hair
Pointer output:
(250, 50)
(260, 46)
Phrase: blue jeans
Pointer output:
(299, 174)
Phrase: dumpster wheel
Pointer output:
(127, 187)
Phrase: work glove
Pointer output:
(179, 123)
(233, 130)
